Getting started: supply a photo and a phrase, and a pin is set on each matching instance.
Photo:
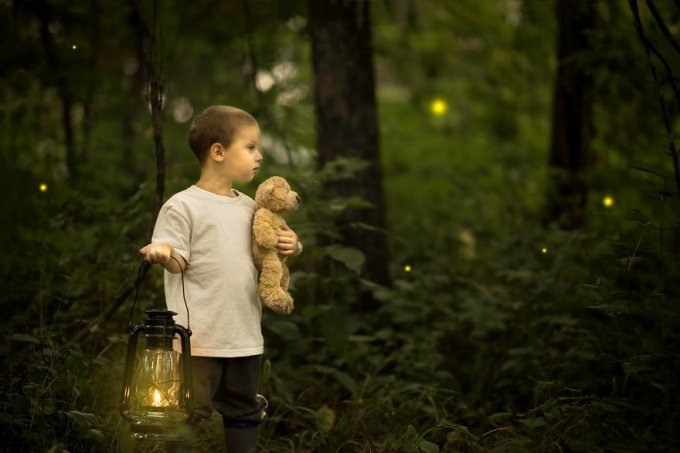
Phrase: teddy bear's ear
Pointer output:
(263, 192)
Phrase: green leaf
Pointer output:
(410, 440)
(342, 168)
(340, 204)
(351, 257)
(24, 338)
(286, 329)
(534, 422)
(96, 434)
(346, 381)
(613, 308)
(84, 419)
(500, 418)
(428, 446)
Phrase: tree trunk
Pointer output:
(44, 12)
(347, 122)
(572, 117)
(92, 78)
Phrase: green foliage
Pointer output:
(482, 343)
(55, 397)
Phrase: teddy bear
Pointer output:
(273, 197)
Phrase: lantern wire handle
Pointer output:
(138, 283)
(181, 271)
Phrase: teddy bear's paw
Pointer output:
(281, 308)
(282, 304)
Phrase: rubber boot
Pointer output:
(241, 440)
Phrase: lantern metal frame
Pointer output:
(159, 330)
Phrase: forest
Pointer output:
(490, 215)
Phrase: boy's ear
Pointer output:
(217, 152)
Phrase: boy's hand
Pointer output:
(288, 243)
(162, 253)
(158, 253)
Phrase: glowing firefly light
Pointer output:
(438, 107)
(407, 268)
(156, 398)
(43, 187)
(608, 201)
(544, 250)
(74, 47)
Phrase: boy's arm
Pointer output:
(163, 254)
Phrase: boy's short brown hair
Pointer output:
(216, 124)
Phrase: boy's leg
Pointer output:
(206, 377)
(241, 440)
(206, 374)
(237, 400)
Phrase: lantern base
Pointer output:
(156, 432)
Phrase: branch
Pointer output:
(649, 50)
(155, 98)
(109, 311)
(662, 25)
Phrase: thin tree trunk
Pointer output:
(44, 13)
(155, 96)
(347, 122)
(572, 117)
(93, 80)
(136, 85)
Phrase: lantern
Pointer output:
(156, 393)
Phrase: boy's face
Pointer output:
(242, 158)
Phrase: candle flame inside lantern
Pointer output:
(156, 398)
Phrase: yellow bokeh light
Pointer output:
(608, 201)
(74, 47)
(407, 268)
(43, 187)
(544, 250)
(438, 107)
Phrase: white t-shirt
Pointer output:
(212, 232)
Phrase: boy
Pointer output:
(206, 229)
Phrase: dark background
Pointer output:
(490, 214)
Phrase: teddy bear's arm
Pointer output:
(263, 229)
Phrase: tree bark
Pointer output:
(572, 117)
(92, 79)
(44, 12)
(347, 121)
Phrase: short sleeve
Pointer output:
(173, 228)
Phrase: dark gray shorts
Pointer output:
(230, 386)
